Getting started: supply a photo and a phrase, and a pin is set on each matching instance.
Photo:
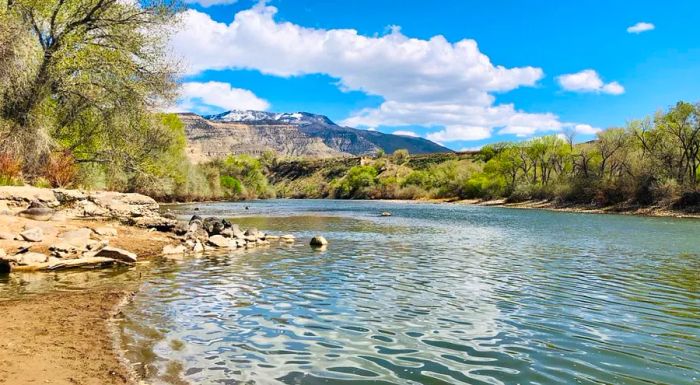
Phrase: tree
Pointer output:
(88, 59)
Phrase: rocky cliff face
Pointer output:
(288, 134)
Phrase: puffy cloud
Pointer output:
(640, 27)
(209, 3)
(405, 133)
(585, 129)
(428, 82)
(589, 81)
(210, 96)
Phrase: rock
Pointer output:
(31, 258)
(3, 254)
(250, 238)
(105, 231)
(386, 214)
(152, 222)
(34, 234)
(170, 249)
(117, 254)
(215, 226)
(169, 216)
(78, 237)
(4, 235)
(65, 250)
(218, 241)
(95, 245)
(318, 241)
(37, 213)
(289, 238)
(237, 232)
(22, 195)
(228, 233)
(198, 247)
(272, 237)
(65, 196)
(252, 232)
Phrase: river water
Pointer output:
(435, 294)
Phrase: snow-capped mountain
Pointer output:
(296, 134)
(251, 116)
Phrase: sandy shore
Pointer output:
(66, 337)
(61, 338)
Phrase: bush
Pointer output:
(60, 169)
(10, 169)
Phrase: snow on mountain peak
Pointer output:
(250, 116)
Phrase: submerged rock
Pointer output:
(170, 249)
(288, 238)
(386, 214)
(318, 241)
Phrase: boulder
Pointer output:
(218, 241)
(215, 226)
(170, 249)
(117, 254)
(34, 234)
(22, 195)
(198, 247)
(228, 232)
(105, 231)
(252, 232)
(318, 241)
(4, 235)
(37, 213)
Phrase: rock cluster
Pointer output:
(202, 234)
(74, 248)
(52, 204)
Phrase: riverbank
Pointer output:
(62, 338)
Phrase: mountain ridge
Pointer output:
(295, 134)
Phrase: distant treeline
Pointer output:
(654, 160)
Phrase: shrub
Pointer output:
(60, 169)
(10, 169)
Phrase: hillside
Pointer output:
(297, 134)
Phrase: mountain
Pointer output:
(298, 134)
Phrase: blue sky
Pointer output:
(502, 70)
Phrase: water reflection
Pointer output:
(432, 295)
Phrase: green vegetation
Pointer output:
(651, 161)
(78, 83)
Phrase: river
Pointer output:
(435, 294)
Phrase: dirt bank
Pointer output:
(60, 338)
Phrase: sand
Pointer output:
(66, 337)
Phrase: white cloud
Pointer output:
(586, 129)
(206, 97)
(640, 27)
(209, 3)
(428, 82)
(589, 81)
(405, 133)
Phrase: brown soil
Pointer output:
(65, 338)
(60, 338)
